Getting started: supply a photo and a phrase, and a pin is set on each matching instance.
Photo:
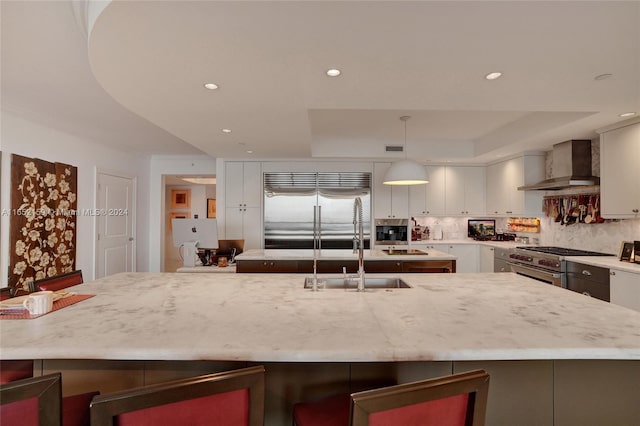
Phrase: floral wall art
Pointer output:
(43, 220)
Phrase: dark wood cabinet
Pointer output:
(328, 266)
(383, 266)
(267, 266)
(336, 266)
(429, 266)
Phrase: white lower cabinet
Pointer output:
(625, 289)
(467, 254)
(244, 223)
(486, 258)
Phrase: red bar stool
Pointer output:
(456, 400)
(222, 399)
(58, 282)
(31, 402)
(75, 408)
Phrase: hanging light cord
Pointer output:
(404, 118)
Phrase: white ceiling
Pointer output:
(423, 59)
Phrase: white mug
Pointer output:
(39, 303)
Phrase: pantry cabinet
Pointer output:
(503, 179)
(389, 201)
(243, 200)
(619, 171)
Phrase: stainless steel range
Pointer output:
(546, 264)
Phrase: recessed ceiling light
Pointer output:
(226, 130)
(602, 76)
(334, 72)
(211, 86)
(627, 114)
(493, 75)
(249, 151)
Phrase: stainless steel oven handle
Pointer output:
(535, 273)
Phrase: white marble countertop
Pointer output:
(270, 317)
(502, 244)
(611, 262)
(208, 269)
(370, 255)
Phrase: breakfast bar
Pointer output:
(545, 347)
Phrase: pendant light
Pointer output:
(406, 172)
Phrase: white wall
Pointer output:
(162, 165)
(24, 137)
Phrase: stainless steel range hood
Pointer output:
(571, 167)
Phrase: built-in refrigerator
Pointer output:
(297, 203)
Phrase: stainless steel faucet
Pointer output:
(358, 219)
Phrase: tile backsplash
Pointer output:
(602, 237)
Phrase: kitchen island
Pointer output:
(399, 260)
(546, 348)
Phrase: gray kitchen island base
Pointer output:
(531, 392)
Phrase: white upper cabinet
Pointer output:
(451, 191)
(504, 178)
(389, 201)
(429, 199)
(620, 171)
(243, 184)
(465, 191)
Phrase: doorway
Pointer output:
(115, 224)
(185, 197)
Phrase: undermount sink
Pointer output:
(347, 284)
(405, 252)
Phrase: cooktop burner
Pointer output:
(560, 251)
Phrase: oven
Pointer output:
(391, 231)
(545, 264)
(550, 277)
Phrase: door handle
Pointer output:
(130, 238)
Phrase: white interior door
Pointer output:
(115, 224)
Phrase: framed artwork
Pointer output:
(211, 208)
(178, 215)
(42, 231)
(626, 251)
(180, 198)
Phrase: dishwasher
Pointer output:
(589, 280)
